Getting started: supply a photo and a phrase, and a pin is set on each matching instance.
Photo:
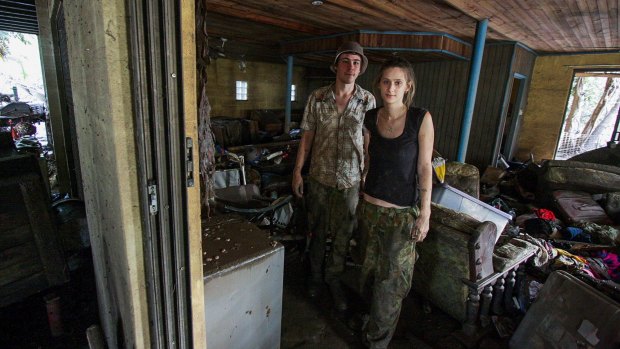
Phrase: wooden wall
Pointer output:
(319, 77)
(524, 61)
(492, 88)
(366, 80)
(522, 64)
(442, 89)
(267, 87)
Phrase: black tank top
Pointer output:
(392, 171)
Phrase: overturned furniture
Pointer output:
(570, 187)
(577, 176)
(455, 268)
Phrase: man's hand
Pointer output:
(302, 153)
(298, 184)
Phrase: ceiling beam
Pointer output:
(438, 43)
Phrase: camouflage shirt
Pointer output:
(338, 147)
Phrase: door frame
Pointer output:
(162, 37)
(515, 122)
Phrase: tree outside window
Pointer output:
(591, 113)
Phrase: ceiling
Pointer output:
(262, 29)
(18, 16)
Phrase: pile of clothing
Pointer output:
(585, 249)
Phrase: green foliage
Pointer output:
(590, 93)
(593, 88)
(4, 41)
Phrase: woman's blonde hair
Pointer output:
(398, 62)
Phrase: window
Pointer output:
(293, 93)
(591, 112)
(242, 90)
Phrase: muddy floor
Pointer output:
(313, 323)
(306, 323)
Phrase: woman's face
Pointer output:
(393, 85)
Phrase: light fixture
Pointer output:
(242, 64)
(317, 2)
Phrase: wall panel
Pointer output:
(522, 64)
(494, 76)
(267, 86)
(523, 61)
(441, 88)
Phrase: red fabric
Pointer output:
(545, 214)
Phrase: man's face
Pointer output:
(348, 67)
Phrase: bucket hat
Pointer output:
(351, 47)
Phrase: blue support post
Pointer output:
(474, 76)
(287, 97)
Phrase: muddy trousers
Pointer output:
(330, 210)
(387, 268)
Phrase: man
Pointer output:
(332, 125)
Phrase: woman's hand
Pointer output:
(421, 227)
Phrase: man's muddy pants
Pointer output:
(330, 210)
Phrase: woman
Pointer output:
(395, 212)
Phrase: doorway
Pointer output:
(512, 121)
(591, 112)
